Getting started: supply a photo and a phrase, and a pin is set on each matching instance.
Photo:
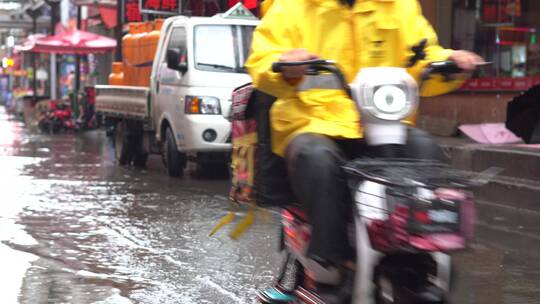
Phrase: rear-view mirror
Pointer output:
(176, 60)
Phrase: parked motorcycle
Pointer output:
(56, 118)
(409, 214)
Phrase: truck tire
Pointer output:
(122, 147)
(141, 153)
(175, 161)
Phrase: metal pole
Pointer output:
(78, 57)
(118, 29)
(55, 14)
(53, 77)
(55, 18)
(34, 14)
(34, 63)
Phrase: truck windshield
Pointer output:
(222, 48)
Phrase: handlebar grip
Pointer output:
(276, 67)
(445, 68)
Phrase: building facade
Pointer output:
(504, 32)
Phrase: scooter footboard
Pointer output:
(367, 258)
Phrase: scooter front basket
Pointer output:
(423, 205)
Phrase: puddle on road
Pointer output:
(77, 229)
(14, 266)
(86, 231)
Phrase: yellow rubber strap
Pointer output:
(222, 222)
(243, 225)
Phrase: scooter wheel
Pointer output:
(385, 290)
(274, 295)
(389, 290)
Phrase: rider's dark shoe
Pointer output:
(331, 294)
(275, 295)
(346, 287)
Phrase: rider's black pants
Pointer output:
(314, 163)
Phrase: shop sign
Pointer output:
(516, 35)
(486, 84)
(132, 11)
(42, 74)
(471, 84)
(501, 84)
(523, 83)
(500, 11)
(20, 73)
(505, 83)
(30, 73)
(250, 4)
(7, 62)
(161, 7)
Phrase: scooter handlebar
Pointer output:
(446, 69)
(277, 66)
(315, 67)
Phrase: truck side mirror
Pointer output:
(176, 60)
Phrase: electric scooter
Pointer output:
(409, 215)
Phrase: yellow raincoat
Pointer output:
(371, 33)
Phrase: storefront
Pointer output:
(212, 7)
(504, 32)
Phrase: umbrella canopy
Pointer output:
(523, 115)
(28, 43)
(73, 42)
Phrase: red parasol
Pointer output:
(73, 42)
(28, 43)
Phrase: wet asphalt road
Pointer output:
(74, 228)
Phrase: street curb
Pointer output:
(517, 186)
(521, 163)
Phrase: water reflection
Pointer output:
(102, 233)
(77, 229)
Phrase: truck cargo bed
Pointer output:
(122, 101)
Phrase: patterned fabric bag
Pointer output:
(258, 175)
(244, 141)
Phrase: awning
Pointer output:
(28, 43)
(108, 15)
(73, 42)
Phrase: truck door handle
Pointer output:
(157, 86)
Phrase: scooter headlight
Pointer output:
(390, 99)
(385, 93)
(390, 102)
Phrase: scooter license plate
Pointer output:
(436, 217)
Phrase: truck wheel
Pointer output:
(121, 145)
(140, 160)
(141, 152)
(175, 161)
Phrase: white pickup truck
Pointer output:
(183, 114)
